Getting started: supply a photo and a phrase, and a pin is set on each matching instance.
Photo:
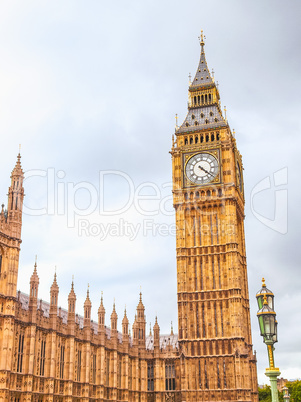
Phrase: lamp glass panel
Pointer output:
(270, 300)
(269, 324)
(260, 302)
(261, 325)
(275, 337)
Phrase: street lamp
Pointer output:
(268, 330)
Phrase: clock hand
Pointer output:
(206, 171)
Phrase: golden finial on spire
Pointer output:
(177, 120)
(189, 78)
(225, 110)
(201, 38)
(263, 283)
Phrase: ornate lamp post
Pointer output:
(268, 330)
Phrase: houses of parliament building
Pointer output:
(52, 354)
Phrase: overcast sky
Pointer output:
(94, 86)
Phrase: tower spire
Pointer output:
(202, 75)
(204, 111)
(35, 265)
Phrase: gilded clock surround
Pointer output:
(186, 183)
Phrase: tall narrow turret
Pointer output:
(101, 317)
(54, 295)
(10, 233)
(87, 311)
(71, 304)
(33, 294)
(141, 323)
(114, 318)
(125, 327)
(15, 200)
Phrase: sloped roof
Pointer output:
(202, 75)
(202, 117)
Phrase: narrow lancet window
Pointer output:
(20, 353)
(205, 372)
(62, 361)
(170, 376)
(150, 375)
(225, 378)
(218, 377)
(203, 319)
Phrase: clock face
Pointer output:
(202, 168)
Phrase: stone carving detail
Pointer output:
(170, 397)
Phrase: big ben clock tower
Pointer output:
(216, 358)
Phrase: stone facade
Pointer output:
(51, 354)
